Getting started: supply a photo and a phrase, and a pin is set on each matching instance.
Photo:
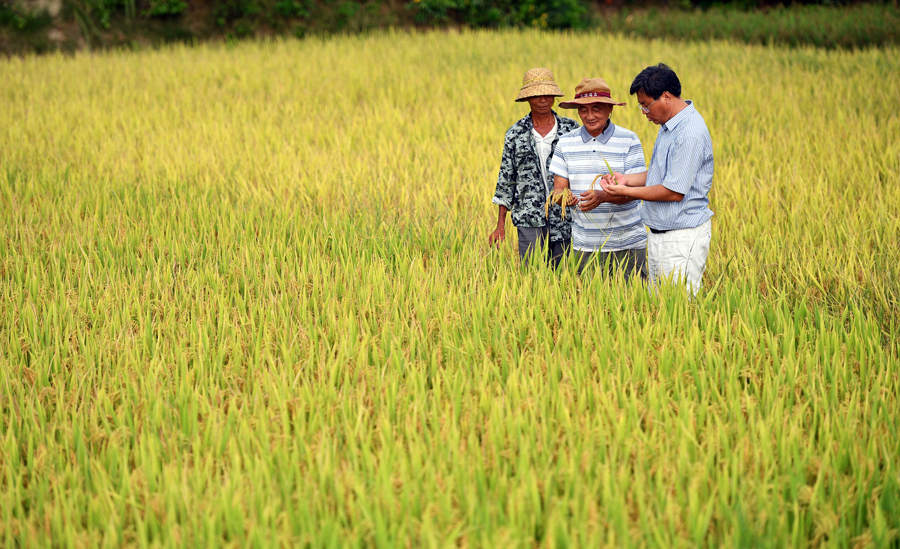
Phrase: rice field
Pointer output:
(246, 300)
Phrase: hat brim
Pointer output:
(575, 103)
(539, 91)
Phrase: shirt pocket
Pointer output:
(524, 157)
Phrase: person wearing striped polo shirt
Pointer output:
(676, 189)
(606, 229)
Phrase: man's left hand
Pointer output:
(591, 199)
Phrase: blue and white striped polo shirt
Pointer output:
(682, 161)
(608, 227)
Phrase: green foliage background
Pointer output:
(107, 23)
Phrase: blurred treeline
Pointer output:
(67, 25)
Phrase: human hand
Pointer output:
(498, 236)
(590, 199)
(614, 185)
(616, 178)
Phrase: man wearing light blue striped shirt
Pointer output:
(676, 188)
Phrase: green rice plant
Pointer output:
(608, 169)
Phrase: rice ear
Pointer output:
(563, 195)
(607, 164)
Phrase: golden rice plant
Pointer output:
(564, 197)
(244, 301)
(558, 196)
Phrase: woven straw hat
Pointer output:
(538, 82)
(590, 90)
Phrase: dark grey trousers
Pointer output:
(631, 262)
(532, 241)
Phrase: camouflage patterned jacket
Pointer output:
(519, 186)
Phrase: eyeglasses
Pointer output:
(646, 109)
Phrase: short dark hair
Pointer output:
(655, 80)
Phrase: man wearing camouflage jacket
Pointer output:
(525, 180)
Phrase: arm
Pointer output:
(560, 183)
(499, 234)
(630, 180)
(685, 158)
(635, 170)
(656, 193)
(559, 167)
(505, 192)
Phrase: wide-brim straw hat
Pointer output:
(591, 90)
(538, 82)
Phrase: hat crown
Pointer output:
(537, 82)
(592, 85)
(591, 90)
(537, 76)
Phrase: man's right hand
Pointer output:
(614, 186)
(498, 236)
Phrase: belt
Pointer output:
(657, 231)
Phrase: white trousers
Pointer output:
(679, 254)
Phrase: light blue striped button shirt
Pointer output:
(682, 161)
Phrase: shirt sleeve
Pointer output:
(506, 180)
(634, 158)
(684, 160)
(559, 166)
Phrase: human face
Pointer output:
(646, 109)
(541, 105)
(653, 109)
(594, 116)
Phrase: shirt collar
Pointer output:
(551, 135)
(603, 138)
(675, 120)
